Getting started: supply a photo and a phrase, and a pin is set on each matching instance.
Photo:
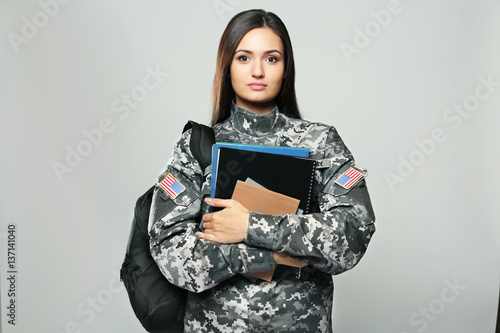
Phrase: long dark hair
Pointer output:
(240, 24)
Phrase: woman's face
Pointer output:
(257, 70)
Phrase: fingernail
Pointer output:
(208, 200)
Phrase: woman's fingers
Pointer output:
(216, 202)
(206, 236)
(229, 225)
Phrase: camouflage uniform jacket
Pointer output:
(331, 240)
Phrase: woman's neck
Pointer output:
(257, 108)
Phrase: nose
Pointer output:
(257, 70)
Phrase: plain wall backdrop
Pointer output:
(94, 95)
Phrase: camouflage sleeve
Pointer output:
(334, 238)
(186, 260)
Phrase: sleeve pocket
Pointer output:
(173, 185)
(335, 189)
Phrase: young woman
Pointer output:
(254, 103)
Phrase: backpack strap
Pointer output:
(202, 139)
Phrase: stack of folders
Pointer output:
(265, 179)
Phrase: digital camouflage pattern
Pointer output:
(331, 240)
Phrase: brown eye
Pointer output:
(272, 59)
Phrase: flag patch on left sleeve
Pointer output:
(350, 177)
(172, 186)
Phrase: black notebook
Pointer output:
(289, 175)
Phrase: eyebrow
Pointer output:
(250, 52)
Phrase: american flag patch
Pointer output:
(172, 186)
(349, 178)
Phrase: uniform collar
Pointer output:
(247, 122)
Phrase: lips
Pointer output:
(257, 86)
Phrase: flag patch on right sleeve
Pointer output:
(171, 186)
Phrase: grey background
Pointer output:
(437, 225)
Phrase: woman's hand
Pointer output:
(227, 226)
(283, 259)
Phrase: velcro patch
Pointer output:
(350, 177)
(171, 186)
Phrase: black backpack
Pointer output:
(158, 304)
